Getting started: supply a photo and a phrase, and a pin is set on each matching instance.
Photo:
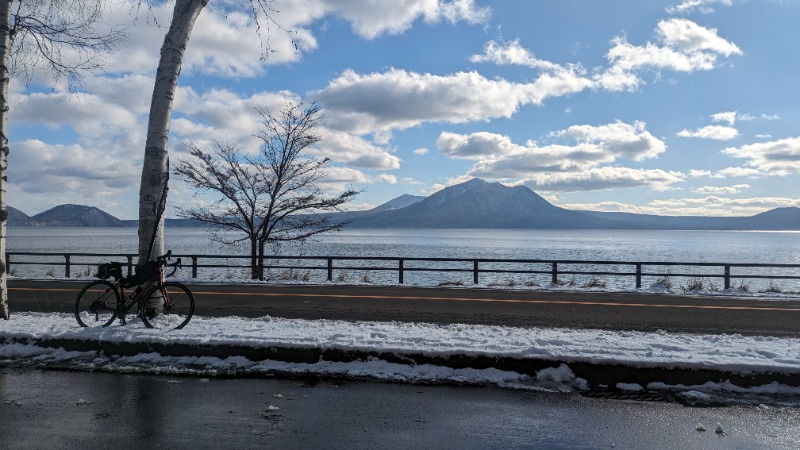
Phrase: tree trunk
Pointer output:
(261, 259)
(253, 258)
(5, 49)
(155, 170)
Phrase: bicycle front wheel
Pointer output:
(175, 307)
(96, 305)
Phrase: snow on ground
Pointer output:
(734, 353)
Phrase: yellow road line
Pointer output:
(466, 299)
(496, 300)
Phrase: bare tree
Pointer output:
(273, 196)
(55, 36)
(155, 169)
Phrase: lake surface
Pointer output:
(592, 245)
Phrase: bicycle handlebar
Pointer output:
(176, 265)
(162, 260)
(166, 257)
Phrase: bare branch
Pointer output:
(273, 196)
(60, 37)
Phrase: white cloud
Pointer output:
(718, 206)
(701, 206)
(371, 19)
(226, 42)
(780, 157)
(558, 84)
(690, 38)
(684, 47)
(699, 173)
(512, 53)
(477, 146)
(620, 139)
(734, 172)
(500, 158)
(616, 79)
(356, 151)
(704, 6)
(398, 99)
(223, 114)
(728, 116)
(608, 206)
(535, 160)
(387, 178)
(558, 167)
(87, 114)
(721, 190)
(339, 177)
(412, 181)
(716, 132)
(600, 178)
(230, 46)
(422, 151)
(750, 117)
(45, 174)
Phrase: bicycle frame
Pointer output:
(163, 305)
(127, 303)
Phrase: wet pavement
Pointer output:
(63, 409)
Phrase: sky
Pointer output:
(675, 108)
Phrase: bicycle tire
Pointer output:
(96, 305)
(175, 314)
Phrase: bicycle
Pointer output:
(100, 302)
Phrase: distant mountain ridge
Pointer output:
(17, 218)
(776, 219)
(76, 216)
(479, 204)
(473, 204)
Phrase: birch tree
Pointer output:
(273, 196)
(57, 37)
(155, 169)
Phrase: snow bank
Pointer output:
(733, 353)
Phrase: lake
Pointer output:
(593, 245)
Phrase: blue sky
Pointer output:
(678, 107)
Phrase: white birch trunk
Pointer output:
(5, 48)
(155, 170)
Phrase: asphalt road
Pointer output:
(622, 311)
(100, 410)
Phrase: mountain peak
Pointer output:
(478, 203)
(399, 203)
(71, 215)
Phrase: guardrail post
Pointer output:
(66, 266)
(130, 266)
(554, 273)
(727, 276)
(8, 264)
(330, 269)
(194, 266)
(400, 269)
(638, 276)
(475, 271)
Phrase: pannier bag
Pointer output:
(144, 273)
(109, 270)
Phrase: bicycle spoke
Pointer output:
(174, 310)
(96, 304)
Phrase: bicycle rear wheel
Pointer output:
(176, 307)
(96, 305)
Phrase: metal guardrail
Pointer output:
(554, 268)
